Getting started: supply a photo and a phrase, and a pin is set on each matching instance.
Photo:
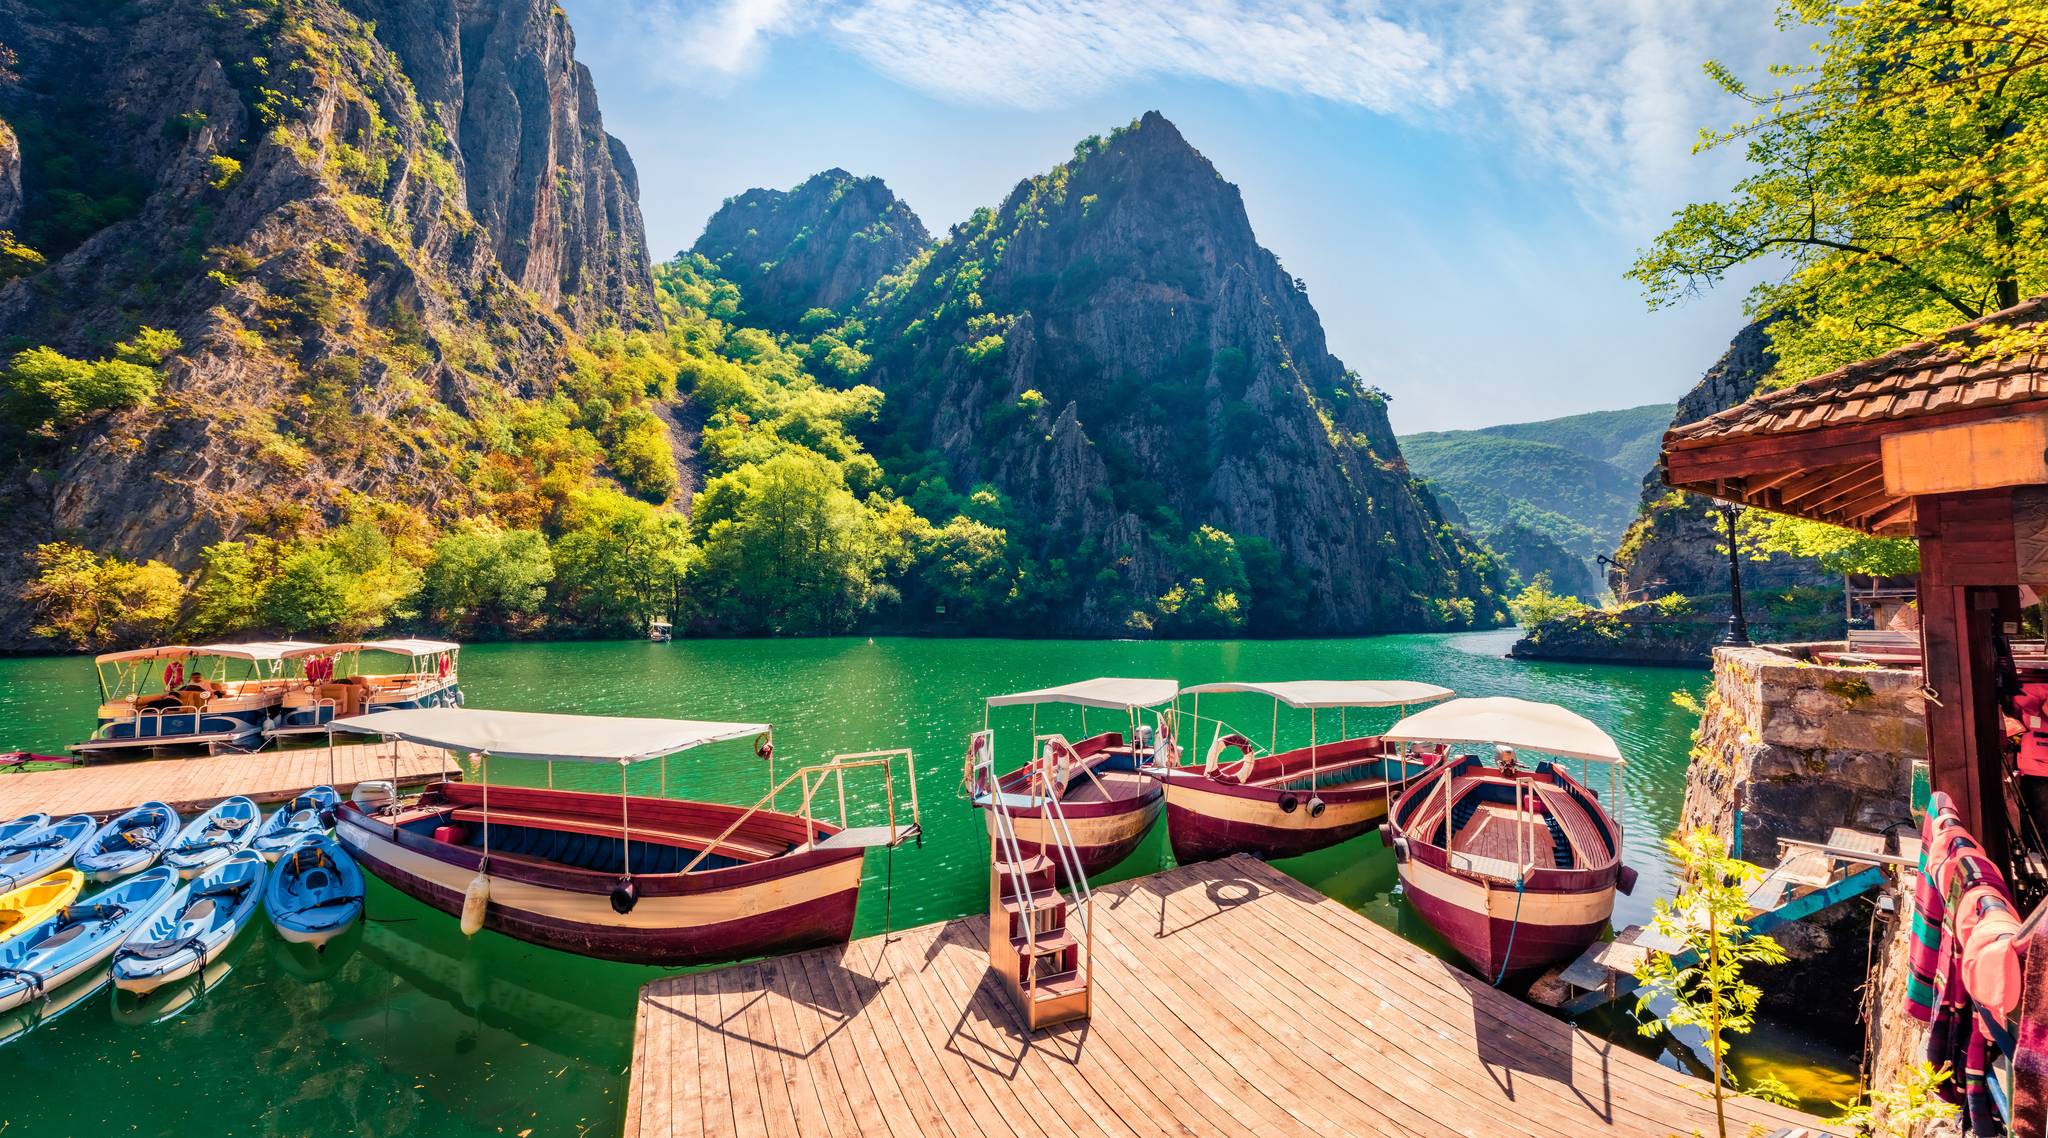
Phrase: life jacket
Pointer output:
(2033, 708)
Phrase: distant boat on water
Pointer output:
(329, 682)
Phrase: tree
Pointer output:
(1902, 180)
(485, 576)
(228, 597)
(1536, 604)
(1210, 597)
(92, 601)
(782, 546)
(618, 563)
(1761, 533)
(1709, 917)
(43, 389)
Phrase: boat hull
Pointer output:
(765, 907)
(1207, 819)
(1104, 833)
(1502, 931)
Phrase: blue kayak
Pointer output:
(309, 813)
(196, 927)
(207, 840)
(316, 892)
(15, 828)
(129, 844)
(43, 850)
(79, 940)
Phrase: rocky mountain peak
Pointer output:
(823, 244)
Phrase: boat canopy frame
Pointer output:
(1134, 697)
(130, 677)
(484, 734)
(1313, 696)
(1521, 725)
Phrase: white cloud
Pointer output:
(1608, 93)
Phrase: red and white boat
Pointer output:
(641, 879)
(1516, 866)
(1107, 799)
(1287, 803)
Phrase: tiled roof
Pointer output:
(1926, 378)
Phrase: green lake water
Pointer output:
(410, 1028)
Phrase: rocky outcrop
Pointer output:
(823, 244)
(1675, 544)
(1794, 750)
(371, 224)
(1115, 354)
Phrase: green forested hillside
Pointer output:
(1573, 480)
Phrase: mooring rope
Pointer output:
(1520, 889)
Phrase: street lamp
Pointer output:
(1736, 635)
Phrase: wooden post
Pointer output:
(1968, 586)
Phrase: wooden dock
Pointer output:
(1230, 999)
(107, 788)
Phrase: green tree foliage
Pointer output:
(783, 545)
(1209, 598)
(88, 600)
(1536, 604)
(228, 597)
(1912, 1107)
(485, 578)
(1760, 533)
(43, 389)
(1707, 991)
(618, 563)
(1901, 179)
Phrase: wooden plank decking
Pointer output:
(1230, 1000)
(198, 782)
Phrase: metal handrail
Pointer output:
(1006, 840)
(838, 765)
(1063, 840)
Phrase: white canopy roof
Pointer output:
(406, 647)
(536, 735)
(1519, 723)
(1337, 693)
(259, 650)
(1110, 692)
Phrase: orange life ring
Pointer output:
(174, 674)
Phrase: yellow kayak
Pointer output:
(39, 900)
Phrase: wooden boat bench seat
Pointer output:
(736, 845)
(1497, 833)
(1579, 829)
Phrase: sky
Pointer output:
(1461, 183)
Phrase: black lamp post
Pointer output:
(1737, 633)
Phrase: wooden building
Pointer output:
(1945, 441)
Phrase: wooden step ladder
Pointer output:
(1038, 939)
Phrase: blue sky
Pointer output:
(1461, 184)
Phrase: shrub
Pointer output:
(92, 601)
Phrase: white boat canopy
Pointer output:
(1518, 723)
(1106, 692)
(1336, 693)
(548, 737)
(260, 650)
(395, 647)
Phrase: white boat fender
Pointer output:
(625, 895)
(1315, 807)
(1288, 802)
(475, 900)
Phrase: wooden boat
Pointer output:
(213, 696)
(1107, 799)
(24, 908)
(330, 683)
(1516, 866)
(623, 877)
(1288, 803)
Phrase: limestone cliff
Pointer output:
(372, 224)
(823, 244)
(1113, 352)
(1676, 543)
